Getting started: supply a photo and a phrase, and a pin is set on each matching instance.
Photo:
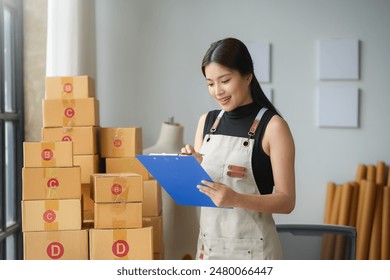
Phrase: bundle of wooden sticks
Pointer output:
(363, 203)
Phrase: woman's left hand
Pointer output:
(219, 193)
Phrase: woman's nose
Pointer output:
(218, 90)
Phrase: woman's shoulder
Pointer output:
(209, 117)
(277, 123)
(277, 133)
(212, 114)
(277, 128)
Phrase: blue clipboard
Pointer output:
(179, 176)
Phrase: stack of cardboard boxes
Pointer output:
(71, 113)
(118, 231)
(71, 209)
(55, 169)
(119, 147)
(51, 205)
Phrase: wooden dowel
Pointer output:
(385, 246)
(388, 176)
(334, 217)
(371, 173)
(380, 173)
(364, 230)
(345, 203)
(362, 190)
(328, 240)
(376, 231)
(330, 191)
(361, 173)
(343, 219)
(340, 247)
(354, 204)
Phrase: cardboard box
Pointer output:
(121, 142)
(123, 187)
(152, 203)
(89, 165)
(45, 215)
(48, 154)
(88, 203)
(51, 183)
(127, 165)
(74, 87)
(84, 138)
(70, 112)
(118, 215)
(157, 225)
(56, 245)
(121, 244)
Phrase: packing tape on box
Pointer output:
(118, 223)
(67, 87)
(54, 248)
(117, 142)
(50, 215)
(118, 133)
(69, 112)
(119, 189)
(52, 183)
(118, 208)
(54, 236)
(67, 129)
(121, 236)
(48, 154)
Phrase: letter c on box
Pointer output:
(49, 216)
(69, 112)
(52, 183)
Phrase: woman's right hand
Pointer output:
(189, 150)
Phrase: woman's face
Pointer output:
(228, 87)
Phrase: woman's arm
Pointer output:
(198, 140)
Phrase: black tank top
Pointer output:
(237, 123)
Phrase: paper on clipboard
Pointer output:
(179, 176)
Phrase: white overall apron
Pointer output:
(237, 233)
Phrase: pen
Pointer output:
(188, 154)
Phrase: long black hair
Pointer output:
(233, 54)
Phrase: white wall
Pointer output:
(148, 68)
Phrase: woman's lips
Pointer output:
(224, 100)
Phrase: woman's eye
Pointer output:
(210, 85)
(225, 81)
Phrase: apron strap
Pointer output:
(254, 126)
(256, 122)
(216, 122)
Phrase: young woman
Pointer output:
(248, 150)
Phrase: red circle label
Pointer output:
(55, 250)
(69, 112)
(49, 216)
(68, 88)
(47, 154)
(53, 183)
(120, 248)
(117, 143)
(66, 138)
(116, 189)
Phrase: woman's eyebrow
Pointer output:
(224, 75)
